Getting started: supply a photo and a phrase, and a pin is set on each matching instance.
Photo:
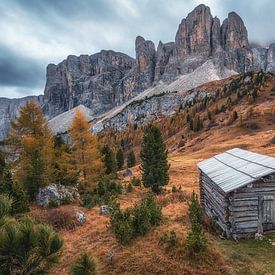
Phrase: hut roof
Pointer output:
(236, 168)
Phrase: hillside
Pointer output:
(186, 148)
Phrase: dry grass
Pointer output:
(145, 255)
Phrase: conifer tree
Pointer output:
(26, 247)
(32, 144)
(86, 153)
(85, 265)
(154, 164)
(2, 164)
(120, 159)
(15, 191)
(131, 160)
(195, 242)
(109, 159)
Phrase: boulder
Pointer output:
(80, 217)
(57, 194)
(105, 210)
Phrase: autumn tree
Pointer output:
(32, 144)
(86, 152)
(154, 164)
(64, 168)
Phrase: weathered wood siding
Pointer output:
(244, 207)
(214, 202)
(239, 213)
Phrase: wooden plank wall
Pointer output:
(245, 216)
(214, 202)
(237, 213)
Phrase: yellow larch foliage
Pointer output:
(86, 152)
(32, 145)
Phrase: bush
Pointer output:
(170, 238)
(53, 203)
(137, 221)
(122, 227)
(107, 188)
(195, 242)
(174, 189)
(84, 266)
(135, 181)
(129, 187)
(26, 247)
(60, 218)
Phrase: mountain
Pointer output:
(9, 109)
(106, 80)
(61, 123)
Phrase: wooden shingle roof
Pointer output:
(236, 168)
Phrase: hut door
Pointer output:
(267, 211)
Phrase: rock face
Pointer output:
(233, 33)
(95, 81)
(271, 59)
(9, 109)
(108, 79)
(194, 33)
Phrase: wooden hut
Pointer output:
(237, 189)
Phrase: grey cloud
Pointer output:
(16, 70)
(51, 29)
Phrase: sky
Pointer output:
(34, 33)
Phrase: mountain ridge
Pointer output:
(105, 80)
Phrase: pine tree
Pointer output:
(120, 159)
(109, 159)
(86, 153)
(131, 159)
(2, 164)
(32, 143)
(15, 191)
(26, 247)
(154, 164)
(195, 242)
(84, 266)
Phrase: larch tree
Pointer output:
(154, 163)
(32, 144)
(86, 152)
(64, 168)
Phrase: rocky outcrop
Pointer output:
(9, 109)
(108, 79)
(270, 67)
(56, 194)
(95, 81)
(194, 33)
(233, 33)
(145, 60)
(162, 100)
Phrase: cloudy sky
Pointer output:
(35, 33)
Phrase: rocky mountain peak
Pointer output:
(234, 33)
(108, 79)
(194, 32)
